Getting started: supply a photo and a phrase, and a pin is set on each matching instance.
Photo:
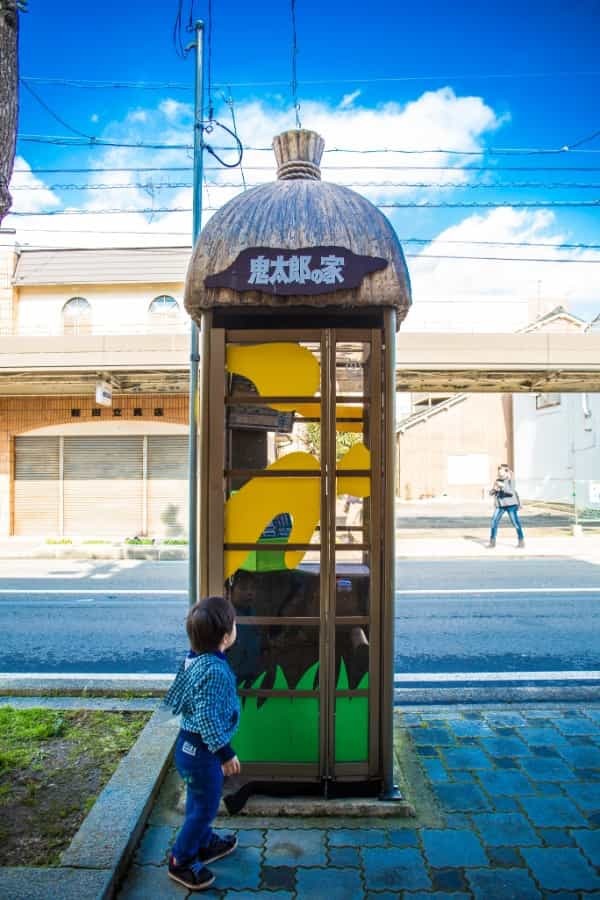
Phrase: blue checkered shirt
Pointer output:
(204, 694)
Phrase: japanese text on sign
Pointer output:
(296, 270)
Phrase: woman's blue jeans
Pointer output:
(513, 513)
(201, 771)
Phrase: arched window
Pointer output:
(77, 316)
(164, 306)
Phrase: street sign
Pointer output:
(103, 392)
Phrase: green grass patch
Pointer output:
(59, 541)
(175, 541)
(139, 540)
(53, 765)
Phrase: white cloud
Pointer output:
(94, 117)
(30, 194)
(348, 99)
(504, 295)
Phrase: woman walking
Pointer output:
(507, 500)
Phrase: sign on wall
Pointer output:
(103, 392)
(309, 270)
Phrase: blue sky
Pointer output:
(472, 78)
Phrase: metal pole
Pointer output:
(389, 789)
(194, 339)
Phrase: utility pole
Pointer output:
(194, 339)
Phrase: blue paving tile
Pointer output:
(506, 783)
(589, 841)
(505, 804)
(505, 762)
(250, 837)
(449, 879)
(427, 751)
(149, 881)
(552, 812)
(505, 746)
(506, 857)
(241, 870)
(581, 757)
(466, 728)
(502, 884)
(467, 758)
(409, 895)
(435, 769)
(155, 845)
(458, 820)
(445, 847)
(402, 837)
(461, 797)
(295, 847)
(345, 857)
(542, 737)
(434, 737)
(505, 829)
(357, 837)
(543, 769)
(550, 788)
(586, 796)
(576, 725)
(329, 884)
(556, 837)
(504, 718)
(557, 869)
(397, 869)
(243, 895)
(593, 714)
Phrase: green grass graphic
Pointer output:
(286, 729)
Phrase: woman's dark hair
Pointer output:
(208, 622)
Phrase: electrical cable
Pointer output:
(432, 185)
(393, 168)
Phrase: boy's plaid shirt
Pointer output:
(204, 694)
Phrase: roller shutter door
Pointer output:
(103, 486)
(37, 486)
(167, 485)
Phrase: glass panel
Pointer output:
(270, 592)
(351, 367)
(351, 729)
(276, 657)
(259, 436)
(279, 730)
(275, 369)
(352, 583)
(352, 519)
(352, 713)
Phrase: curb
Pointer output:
(99, 854)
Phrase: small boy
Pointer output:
(204, 693)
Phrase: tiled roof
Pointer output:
(103, 266)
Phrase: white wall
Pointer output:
(116, 309)
(557, 448)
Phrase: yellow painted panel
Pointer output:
(278, 369)
(357, 457)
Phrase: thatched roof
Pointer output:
(298, 211)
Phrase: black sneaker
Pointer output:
(194, 876)
(218, 848)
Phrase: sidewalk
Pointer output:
(508, 806)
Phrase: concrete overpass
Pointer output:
(425, 362)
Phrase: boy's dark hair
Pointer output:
(208, 622)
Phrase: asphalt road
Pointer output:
(509, 616)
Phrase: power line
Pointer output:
(357, 168)
(60, 140)
(458, 185)
(533, 204)
(505, 258)
(403, 240)
(185, 86)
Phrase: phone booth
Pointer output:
(298, 287)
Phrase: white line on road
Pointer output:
(406, 677)
(94, 676)
(523, 590)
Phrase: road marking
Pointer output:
(409, 677)
(524, 590)
(111, 591)
(94, 676)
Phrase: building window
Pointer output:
(77, 316)
(75, 413)
(164, 307)
(137, 411)
(96, 412)
(544, 401)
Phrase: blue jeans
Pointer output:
(201, 771)
(513, 514)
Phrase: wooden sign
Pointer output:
(309, 270)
